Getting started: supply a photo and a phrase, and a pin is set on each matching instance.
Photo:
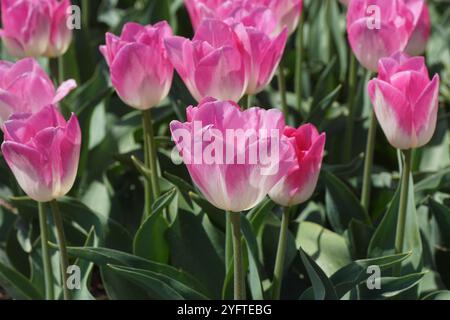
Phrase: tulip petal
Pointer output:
(425, 112)
(63, 90)
(25, 163)
(393, 113)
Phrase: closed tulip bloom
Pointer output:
(298, 185)
(419, 38)
(26, 88)
(377, 29)
(264, 54)
(287, 13)
(214, 64)
(249, 13)
(34, 28)
(60, 33)
(140, 70)
(42, 150)
(219, 144)
(405, 101)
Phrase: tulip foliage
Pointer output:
(206, 149)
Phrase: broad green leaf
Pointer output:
(390, 286)
(255, 279)
(104, 256)
(442, 215)
(438, 295)
(141, 277)
(157, 288)
(329, 249)
(342, 205)
(322, 287)
(383, 240)
(17, 285)
(192, 251)
(150, 240)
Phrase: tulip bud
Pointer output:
(234, 157)
(33, 28)
(140, 70)
(42, 150)
(405, 100)
(377, 29)
(214, 64)
(299, 183)
(26, 88)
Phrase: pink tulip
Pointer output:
(26, 88)
(377, 29)
(213, 64)
(231, 11)
(140, 70)
(264, 54)
(234, 157)
(270, 16)
(35, 27)
(42, 150)
(287, 13)
(419, 38)
(405, 100)
(299, 183)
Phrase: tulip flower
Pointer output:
(231, 180)
(405, 100)
(234, 157)
(287, 13)
(140, 71)
(270, 16)
(42, 150)
(214, 64)
(419, 38)
(299, 183)
(377, 29)
(34, 28)
(296, 186)
(142, 75)
(26, 88)
(264, 54)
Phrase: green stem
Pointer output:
(402, 211)
(249, 101)
(85, 14)
(368, 162)
(64, 259)
(281, 255)
(298, 65)
(282, 88)
(239, 280)
(48, 272)
(228, 242)
(151, 158)
(148, 193)
(348, 142)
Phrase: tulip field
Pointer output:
(225, 150)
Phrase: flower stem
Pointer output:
(249, 101)
(282, 88)
(64, 259)
(228, 241)
(368, 162)
(239, 279)
(152, 189)
(298, 65)
(48, 272)
(348, 143)
(281, 255)
(402, 211)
